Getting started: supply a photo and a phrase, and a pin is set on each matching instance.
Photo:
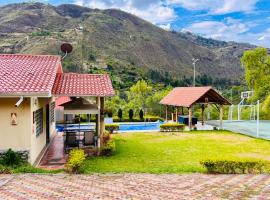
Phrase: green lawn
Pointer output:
(178, 153)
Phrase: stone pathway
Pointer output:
(134, 186)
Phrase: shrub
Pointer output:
(141, 114)
(153, 118)
(75, 161)
(172, 127)
(112, 128)
(130, 114)
(12, 159)
(147, 119)
(242, 166)
(5, 170)
(120, 113)
(108, 148)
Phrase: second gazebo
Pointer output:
(189, 96)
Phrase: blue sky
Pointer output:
(229, 20)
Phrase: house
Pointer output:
(29, 85)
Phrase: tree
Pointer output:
(130, 113)
(152, 101)
(257, 71)
(137, 95)
(120, 113)
(115, 103)
(141, 114)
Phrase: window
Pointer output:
(39, 121)
(52, 107)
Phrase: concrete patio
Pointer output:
(134, 186)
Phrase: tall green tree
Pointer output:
(257, 71)
(137, 95)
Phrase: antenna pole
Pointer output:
(65, 55)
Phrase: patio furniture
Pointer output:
(88, 138)
(71, 141)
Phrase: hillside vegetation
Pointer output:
(113, 41)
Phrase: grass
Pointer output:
(175, 153)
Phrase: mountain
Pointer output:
(119, 43)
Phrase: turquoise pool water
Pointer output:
(246, 127)
(124, 127)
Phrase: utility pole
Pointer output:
(194, 61)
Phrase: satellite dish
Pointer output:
(66, 48)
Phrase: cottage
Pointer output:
(29, 85)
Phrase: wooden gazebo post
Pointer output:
(102, 124)
(221, 117)
(176, 114)
(166, 113)
(203, 108)
(190, 117)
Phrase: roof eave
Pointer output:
(34, 94)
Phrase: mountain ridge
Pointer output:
(118, 42)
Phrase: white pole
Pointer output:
(194, 74)
(258, 118)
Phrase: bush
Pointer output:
(120, 113)
(112, 128)
(108, 148)
(147, 119)
(153, 118)
(130, 114)
(5, 170)
(75, 161)
(141, 114)
(12, 159)
(246, 166)
(172, 127)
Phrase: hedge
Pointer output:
(172, 127)
(241, 166)
(146, 119)
(111, 128)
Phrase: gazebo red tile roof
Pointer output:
(187, 96)
(28, 74)
(72, 84)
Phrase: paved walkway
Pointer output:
(55, 158)
(134, 186)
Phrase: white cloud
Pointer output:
(217, 6)
(152, 10)
(227, 30)
(166, 27)
(230, 30)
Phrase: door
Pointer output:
(47, 123)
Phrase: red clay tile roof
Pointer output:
(71, 84)
(31, 75)
(60, 101)
(187, 96)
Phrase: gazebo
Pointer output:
(189, 96)
(80, 87)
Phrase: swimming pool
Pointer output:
(123, 127)
(246, 127)
(147, 126)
